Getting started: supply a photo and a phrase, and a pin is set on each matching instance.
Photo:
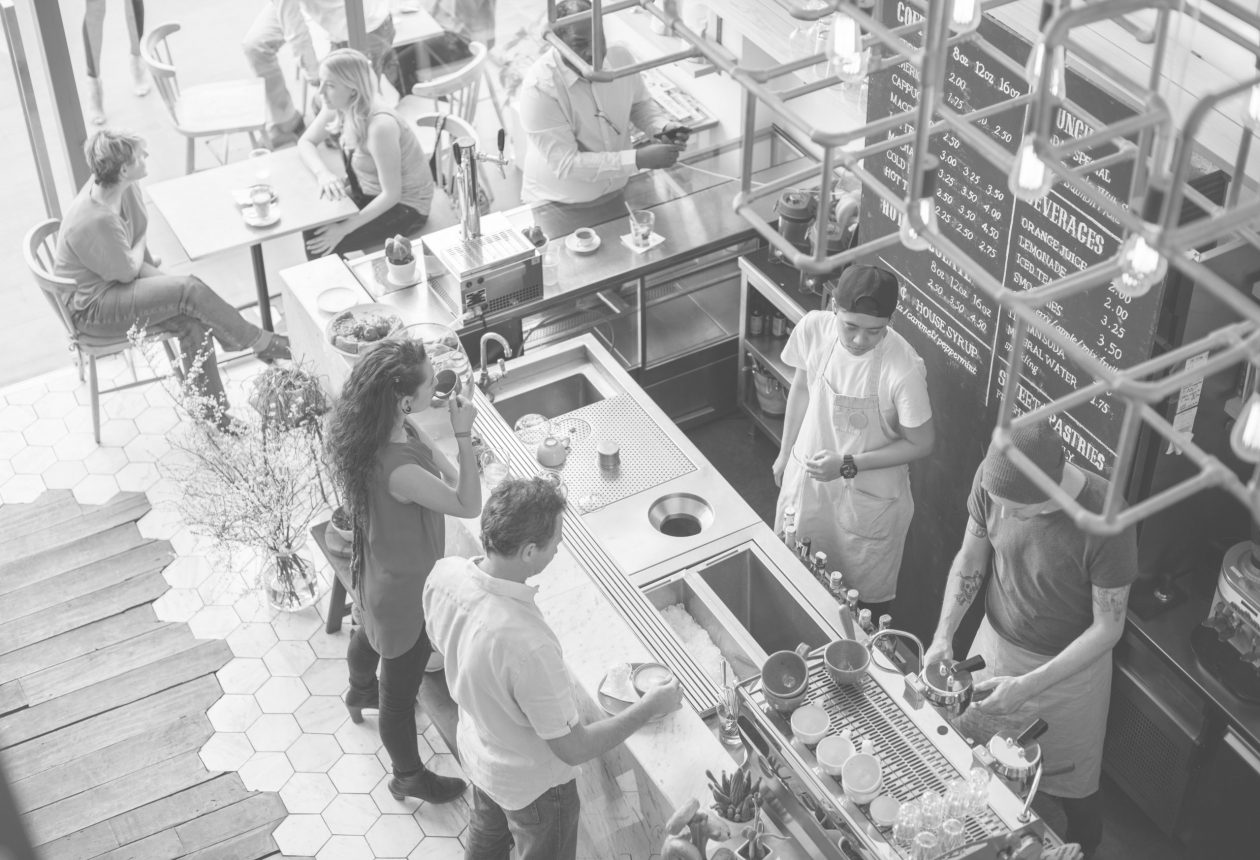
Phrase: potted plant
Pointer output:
(254, 483)
(400, 260)
(735, 797)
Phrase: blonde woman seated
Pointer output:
(387, 172)
(101, 247)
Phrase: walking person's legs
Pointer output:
(93, 35)
(135, 30)
(261, 45)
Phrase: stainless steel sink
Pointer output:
(745, 604)
(550, 399)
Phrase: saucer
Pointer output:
(570, 242)
(251, 218)
(336, 299)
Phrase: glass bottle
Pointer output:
(778, 325)
(851, 596)
(820, 566)
(864, 621)
(835, 583)
(789, 538)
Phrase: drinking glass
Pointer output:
(551, 263)
(554, 478)
(933, 809)
(261, 165)
(951, 835)
(641, 223)
(979, 783)
(926, 846)
(957, 798)
(907, 824)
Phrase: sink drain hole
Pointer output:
(680, 525)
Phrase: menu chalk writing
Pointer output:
(1021, 244)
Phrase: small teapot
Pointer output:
(553, 451)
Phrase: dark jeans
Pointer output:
(545, 830)
(399, 686)
(1084, 821)
(399, 218)
(176, 304)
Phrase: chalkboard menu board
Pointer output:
(961, 333)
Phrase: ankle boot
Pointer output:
(357, 703)
(277, 347)
(428, 786)
(96, 101)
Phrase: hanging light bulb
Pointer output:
(1251, 116)
(965, 15)
(1047, 62)
(1030, 178)
(849, 59)
(1245, 437)
(924, 208)
(1141, 264)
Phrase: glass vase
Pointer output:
(290, 580)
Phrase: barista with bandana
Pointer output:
(857, 414)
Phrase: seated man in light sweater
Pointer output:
(520, 737)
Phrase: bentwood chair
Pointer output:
(446, 129)
(38, 249)
(217, 109)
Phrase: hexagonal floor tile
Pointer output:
(297, 625)
(96, 489)
(273, 732)
(330, 645)
(56, 404)
(187, 571)
(233, 713)
(45, 431)
(394, 835)
(16, 417)
(308, 793)
(226, 751)
(243, 675)
(77, 446)
(11, 441)
(267, 771)
(32, 460)
(438, 848)
(356, 774)
(64, 474)
(157, 524)
(253, 606)
(321, 714)
(178, 604)
(301, 835)
(147, 448)
(314, 753)
(21, 489)
(289, 658)
(345, 848)
(156, 420)
(137, 477)
(431, 735)
(351, 814)
(359, 738)
(26, 392)
(188, 542)
(117, 432)
(443, 819)
(281, 695)
(213, 622)
(108, 461)
(251, 639)
(326, 677)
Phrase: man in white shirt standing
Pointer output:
(281, 21)
(578, 131)
(520, 737)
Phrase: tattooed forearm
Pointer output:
(969, 582)
(1111, 601)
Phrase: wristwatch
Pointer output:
(848, 469)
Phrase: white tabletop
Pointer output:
(412, 23)
(202, 211)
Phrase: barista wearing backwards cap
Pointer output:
(858, 412)
(1054, 609)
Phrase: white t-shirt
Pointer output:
(903, 394)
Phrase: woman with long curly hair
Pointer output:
(398, 489)
(387, 172)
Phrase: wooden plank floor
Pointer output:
(103, 706)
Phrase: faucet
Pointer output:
(464, 150)
(484, 379)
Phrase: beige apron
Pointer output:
(861, 523)
(1075, 709)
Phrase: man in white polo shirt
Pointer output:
(520, 737)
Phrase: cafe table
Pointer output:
(202, 210)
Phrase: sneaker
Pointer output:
(277, 348)
(140, 76)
